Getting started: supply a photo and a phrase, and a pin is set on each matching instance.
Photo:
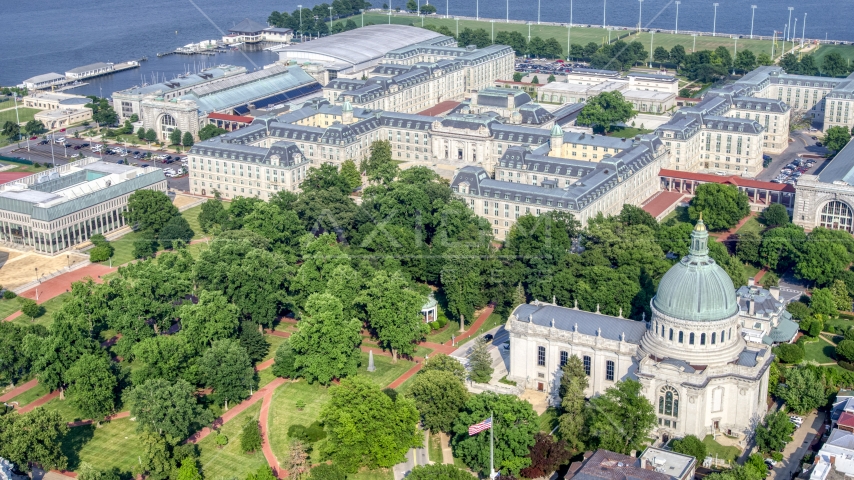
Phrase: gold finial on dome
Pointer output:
(700, 226)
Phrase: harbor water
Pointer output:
(57, 35)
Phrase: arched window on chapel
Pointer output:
(668, 401)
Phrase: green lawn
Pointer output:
(274, 342)
(8, 307)
(229, 462)
(847, 52)
(423, 351)
(839, 324)
(444, 335)
(404, 388)
(752, 225)
(65, 409)
(580, 35)
(819, 351)
(265, 376)
(386, 371)
(114, 444)
(283, 412)
(669, 40)
(434, 449)
(679, 215)
(713, 448)
(627, 132)
(30, 395)
(24, 115)
(123, 249)
(381, 474)
(192, 217)
(750, 270)
(493, 321)
(7, 104)
(29, 168)
(548, 420)
(50, 307)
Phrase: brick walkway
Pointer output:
(58, 285)
(406, 375)
(725, 236)
(38, 402)
(18, 390)
(81, 423)
(272, 461)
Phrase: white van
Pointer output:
(59, 140)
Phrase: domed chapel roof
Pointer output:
(697, 288)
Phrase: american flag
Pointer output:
(479, 427)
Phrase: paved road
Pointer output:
(798, 447)
(414, 457)
(803, 143)
(61, 155)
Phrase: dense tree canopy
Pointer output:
(722, 206)
(621, 418)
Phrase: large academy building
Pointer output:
(695, 365)
(827, 199)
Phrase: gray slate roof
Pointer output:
(586, 323)
(91, 66)
(248, 26)
(841, 167)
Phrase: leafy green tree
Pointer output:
(824, 255)
(226, 368)
(87, 471)
(187, 140)
(517, 77)
(140, 134)
(764, 60)
(745, 61)
(35, 437)
(380, 167)
(102, 250)
(188, 471)
(166, 407)
(351, 174)
(30, 308)
(722, 206)
(747, 247)
(780, 246)
(367, 427)
(604, 110)
(209, 320)
(151, 135)
(253, 341)
(621, 418)
(690, 445)
(804, 390)
(789, 353)
(462, 280)
(836, 138)
(160, 356)
(330, 471)
(92, 385)
(212, 214)
(321, 256)
(283, 366)
(209, 131)
(15, 364)
(326, 177)
(845, 349)
(250, 437)
(11, 130)
(393, 312)
(799, 310)
(480, 362)
(443, 363)
(439, 397)
(150, 210)
(156, 462)
(436, 471)
(661, 54)
(775, 215)
(53, 354)
(34, 127)
(834, 65)
(514, 425)
(841, 297)
(677, 55)
(326, 344)
(265, 473)
(176, 231)
(774, 432)
(144, 247)
(175, 137)
(573, 383)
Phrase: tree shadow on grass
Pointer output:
(74, 441)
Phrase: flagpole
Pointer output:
(491, 456)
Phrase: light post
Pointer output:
(418, 7)
(538, 11)
(677, 16)
(529, 31)
(734, 53)
(640, 15)
(493, 30)
(330, 18)
(793, 33)
(604, 10)
(389, 16)
(803, 30)
(752, 17)
(569, 32)
(715, 21)
(300, 20)
(507, 15)
(694, 48)
(447, 10)
(458, 25)
(363, 16)
(789, 30)
(785, 36)
(651, 40)
(477, 10)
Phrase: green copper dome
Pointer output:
(697, 288)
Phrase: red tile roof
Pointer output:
(6, 177)
(727, 180)
(440, 108)
(662, 202)
(846, 420)
(231, 118)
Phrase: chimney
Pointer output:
(751, 307)
(750, 282)
(643, 462)
(775, 292)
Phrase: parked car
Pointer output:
(488, 337)
(818, 144)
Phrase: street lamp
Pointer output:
(418, 7)
(447, 10)
(640, 15)
(362, 10)
(651, 40)
(752, 17)
(715, 21)
(569, 32)
(493, 30)
(458, 25)
(300, 20)
(477, 10)
(507, 19)
(529, 31)
(793, 33)
(604, 9)
(677, 16)
(330, 18)
(803, 30)
(789, 31)
(734, 53)
(694, 48)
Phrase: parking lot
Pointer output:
(802, 146)
(547, 67)
(45, 152)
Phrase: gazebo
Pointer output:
(430, 309)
